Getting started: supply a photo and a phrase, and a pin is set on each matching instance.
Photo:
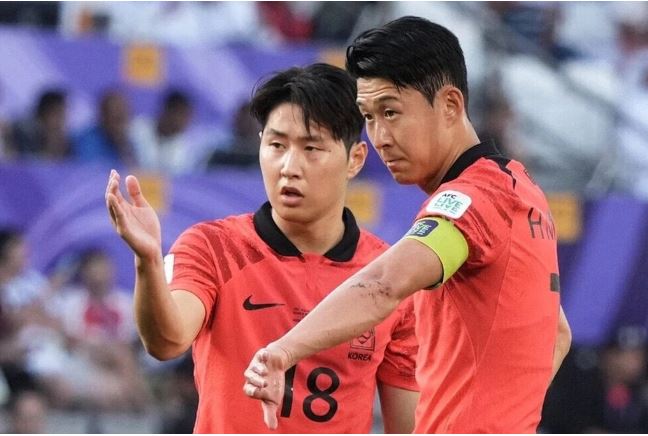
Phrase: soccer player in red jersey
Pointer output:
(489, 324)
(235, 284)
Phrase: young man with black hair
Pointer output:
(489, 324)
(233, 285)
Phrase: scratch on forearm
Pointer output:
(375, 289)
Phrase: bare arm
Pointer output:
(563, 342)
(398, 406)
(361, 302)
(168, 322)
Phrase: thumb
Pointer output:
(135, 192)
(270, 414)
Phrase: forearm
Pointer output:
(398, 407)
(157, 315)
(354, 307)
(563, 343)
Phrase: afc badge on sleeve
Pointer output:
(449, 203)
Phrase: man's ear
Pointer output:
(357, 157)
(452, 101)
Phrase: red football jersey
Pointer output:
(487, 335)
(256, 285)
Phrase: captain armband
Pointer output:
(442, 237)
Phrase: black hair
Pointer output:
(325, 94)
(48, 100)
(410, 52)
(8, 236)
(175, 98)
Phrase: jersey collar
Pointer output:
(469, 157)
(268, 230)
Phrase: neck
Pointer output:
(317, 236)
(466, 139)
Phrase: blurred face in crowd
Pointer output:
(13, 259)
(305, 173)
(53, 120)
(97, 275)
(115, 114)
(413, 138)
(177, 119)
(624, 365)
(29, 414)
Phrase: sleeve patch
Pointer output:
(442, 237)
(169, 261)
(422, 228)
(452, 204)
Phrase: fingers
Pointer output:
(113, 185)
(135, 192)
(270, 414)
(255, 379)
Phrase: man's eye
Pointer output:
(368, 117)
(389, 113)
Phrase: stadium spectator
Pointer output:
(161, 144)
(243, 148)
(28, 411)
(109, 140)
(43, 135)
(492, 334)
(632, 125)
(536, 24)
(602, 392)
(258, 274)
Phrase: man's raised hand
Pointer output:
(135, 221)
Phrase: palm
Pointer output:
(141, 229)
(135, 221)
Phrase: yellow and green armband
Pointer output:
(444, 239)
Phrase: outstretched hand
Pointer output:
(265, 381)
(135, 221)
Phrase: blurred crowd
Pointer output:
(69, 343)
(561, 86)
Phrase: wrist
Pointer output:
(149, 261)
(285, 356)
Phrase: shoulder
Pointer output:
(487, 183)
(220, 232)
(370, 245)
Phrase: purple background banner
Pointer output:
(61, 208)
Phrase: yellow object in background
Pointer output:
(333, 56)
(567, 213)
(143, 65)
(364, 200)
(155, 188)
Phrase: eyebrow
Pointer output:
(382, 99)
(281, 134)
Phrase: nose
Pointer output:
(291, 164)
(380, 136)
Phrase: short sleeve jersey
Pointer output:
(255, 286)
(487, 335)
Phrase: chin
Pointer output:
(403, 179)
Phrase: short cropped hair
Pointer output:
(410, 52)
(325, 94)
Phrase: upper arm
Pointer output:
(398, 406)
(564, 331)
(405, 268)
(192, 312)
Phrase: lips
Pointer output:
(291, 191)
